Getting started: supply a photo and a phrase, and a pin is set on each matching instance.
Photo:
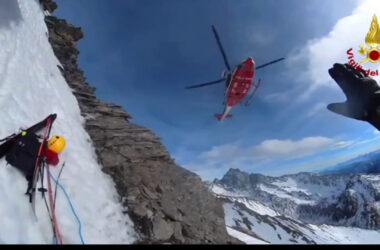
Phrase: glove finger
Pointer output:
(343, 77)
(345, 110)
(368, 83)
(354, 71)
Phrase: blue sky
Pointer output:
(142, 53)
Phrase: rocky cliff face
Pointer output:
(167, 203)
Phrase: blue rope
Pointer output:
(55, 241)
(71, 205)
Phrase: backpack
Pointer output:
(21, 151)
(23, 154)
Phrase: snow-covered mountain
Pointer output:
(364, 164)
(302, 208)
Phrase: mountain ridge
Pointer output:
(368, 163)
(301, 204)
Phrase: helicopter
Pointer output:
(239, 82)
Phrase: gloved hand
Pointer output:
(362, 92)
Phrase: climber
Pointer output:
(362, 92)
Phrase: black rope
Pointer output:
(43, 190)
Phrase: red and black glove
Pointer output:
(51, 157)
(362, 92)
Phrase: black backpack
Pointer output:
(23, 154)
(21, 151)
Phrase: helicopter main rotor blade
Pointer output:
(267, 64)
(221, 48)
(205, 84)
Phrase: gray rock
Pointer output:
(178, 232)
(162, 231)
(49, 5)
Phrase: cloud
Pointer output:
(206, 171)
(264, 35)
(223, 152)
(367, 141)
(321, 53)
(318, 108)
(290, 149)
(343, 144)
(278, 97)
(215, 162)
(274, 148)
(269, 150)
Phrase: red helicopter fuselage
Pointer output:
(239, 86)
(241, 82)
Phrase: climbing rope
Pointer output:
(43, 190)
(71, 206)
(55, 189)
(52, 209)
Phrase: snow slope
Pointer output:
(244, 237)
(253, 228)
(302, 208)
(31, 87)
(340, 200)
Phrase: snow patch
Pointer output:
(245, 237)
(31, 88)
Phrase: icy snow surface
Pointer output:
(244, 237)
(31, 88)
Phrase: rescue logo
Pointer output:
(371, 51)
